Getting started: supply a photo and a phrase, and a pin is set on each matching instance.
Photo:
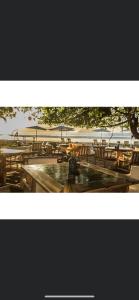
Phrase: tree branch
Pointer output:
(114, 125)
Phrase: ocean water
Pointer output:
(77, 136)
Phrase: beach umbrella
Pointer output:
(62, 128)
(36, 128)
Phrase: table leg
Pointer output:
(33, 187)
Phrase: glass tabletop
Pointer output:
(87, 176)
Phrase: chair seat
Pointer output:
(11, 188)
(122, 166)
(5, 189)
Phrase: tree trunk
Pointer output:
(133, 122)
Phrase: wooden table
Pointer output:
(124, 149)
(36, 146)
(55, 178)
(6, 152)
(119, 151)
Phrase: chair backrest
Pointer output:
(99, 152)
(104, 142)
(36, 146)
(95, 142)
(111, 144)
(52, 144)
(83, 150)
(136, 143)
(49, 149)
(126, 143)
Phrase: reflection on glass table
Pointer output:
(55, 177)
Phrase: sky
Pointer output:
(20, 121)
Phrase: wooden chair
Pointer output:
(118, 143)
(11, 188)
(126, 144)
(136, 144)
(14, 169)
(37, 148)
(84, 152)
(62, 140)
(14, 162)
(110, 154)
(48, 149)
(104, 142)
(104, 157)
(10, 170)
(95, 142)
(55, 150)
(123, 164)
(99, 154)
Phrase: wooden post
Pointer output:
(36, 135)
(33, 187)
(67, 188)
(2, 170)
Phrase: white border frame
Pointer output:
(69, 206)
